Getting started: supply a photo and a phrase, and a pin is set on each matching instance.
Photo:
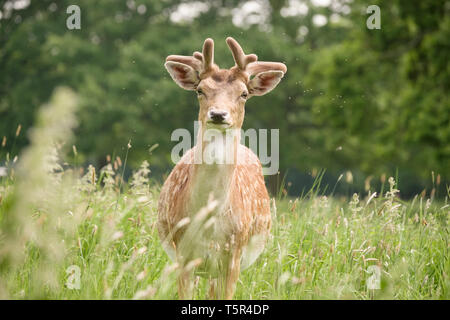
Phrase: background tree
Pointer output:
(369, 101)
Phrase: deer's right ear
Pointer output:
(185, 76)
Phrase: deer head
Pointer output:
(222, 93)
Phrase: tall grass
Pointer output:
(53, 218)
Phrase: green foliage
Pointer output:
(355, 99)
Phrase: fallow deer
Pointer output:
(214, 218)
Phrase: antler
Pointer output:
(201, 62)
(241, 59)
(248, 63)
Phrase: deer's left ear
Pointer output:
(264, 82)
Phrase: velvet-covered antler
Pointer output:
(248, 63)
(201, 62)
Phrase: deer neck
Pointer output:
(215, 166)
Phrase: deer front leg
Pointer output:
(185, 284)
(234, 268)
(213, 289)
(185, 278)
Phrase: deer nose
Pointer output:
(217, 115)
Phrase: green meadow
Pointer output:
(73, 232)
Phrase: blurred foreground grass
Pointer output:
(55, 219)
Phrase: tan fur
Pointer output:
(231, 199)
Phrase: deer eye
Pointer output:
(244, 95)
(200, 92)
